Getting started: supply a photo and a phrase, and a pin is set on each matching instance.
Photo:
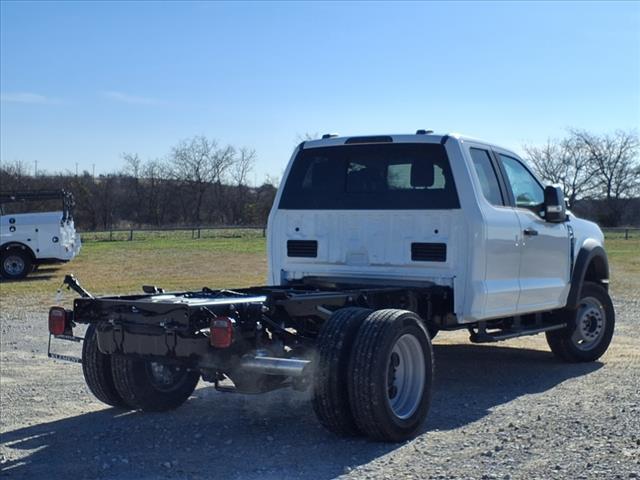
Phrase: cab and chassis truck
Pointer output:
(374, 245)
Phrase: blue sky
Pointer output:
(84, 82)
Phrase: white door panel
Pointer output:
(544, 270)
(503, 262)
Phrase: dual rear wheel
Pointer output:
(374, 374)
(132, 383)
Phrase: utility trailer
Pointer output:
(374, 245)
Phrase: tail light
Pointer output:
(221, 330)
(58, 321)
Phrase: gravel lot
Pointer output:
(503, 411)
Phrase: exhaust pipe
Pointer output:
(287, 367)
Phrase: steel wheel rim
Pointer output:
(13, 265)
(591, 321)
(405, 376)
(165, 377)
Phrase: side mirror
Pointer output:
(555, 208)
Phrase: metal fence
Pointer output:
(130, 234)
(622, 232)
(230, 231)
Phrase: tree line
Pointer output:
(201, 182)
(599, 173)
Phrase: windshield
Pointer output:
(401, 176)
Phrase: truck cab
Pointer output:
(422, 209)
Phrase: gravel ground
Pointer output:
(508, 410)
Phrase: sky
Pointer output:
(83, 83)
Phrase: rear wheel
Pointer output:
(152, 386)
(330, 392)
(96, 368)
(15, 264)
(390, 375)
(589, 327)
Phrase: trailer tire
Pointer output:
(141, 386)
(15, 264)
(96, 368)
(330, 385)
(390, 375)
(589, 327)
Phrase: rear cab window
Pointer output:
(402, 176)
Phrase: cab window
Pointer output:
(486, 176)
(527, 191)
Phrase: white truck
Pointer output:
(28, 240)
(374, 244)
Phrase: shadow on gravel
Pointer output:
(271, 436)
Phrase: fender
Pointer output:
(10, 245)
(591, 265)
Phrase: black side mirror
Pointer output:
(555, 208)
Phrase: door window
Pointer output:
(487, 176)
(527, 192)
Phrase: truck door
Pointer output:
(502, 251)
(545, 259)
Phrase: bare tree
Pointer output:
(242, 166)
(614, 158)
(565, 162)
(198, 164)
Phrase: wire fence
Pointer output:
(625, 233)
(244, 231)
(153, 233)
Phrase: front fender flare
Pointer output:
(591, 252)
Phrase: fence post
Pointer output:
(198, 233)
(111, 235)
(131, 234)
(626, 234)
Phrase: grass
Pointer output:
(176, 263)
(171, 263)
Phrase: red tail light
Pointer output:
(57, 320)
(221, 330)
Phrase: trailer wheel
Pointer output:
(589, 327)
(15, 264)
(152, 386)
(390, 375)
(330, 392)
(96, 368)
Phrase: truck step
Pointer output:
(488, 337)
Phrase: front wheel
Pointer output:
(589, 327)
(390, 375)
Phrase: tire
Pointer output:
(15, 264)
(589, 327)
(141, 388)
(391, 345)
(330, 386)
(96, 368)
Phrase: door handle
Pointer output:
(532, 232)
